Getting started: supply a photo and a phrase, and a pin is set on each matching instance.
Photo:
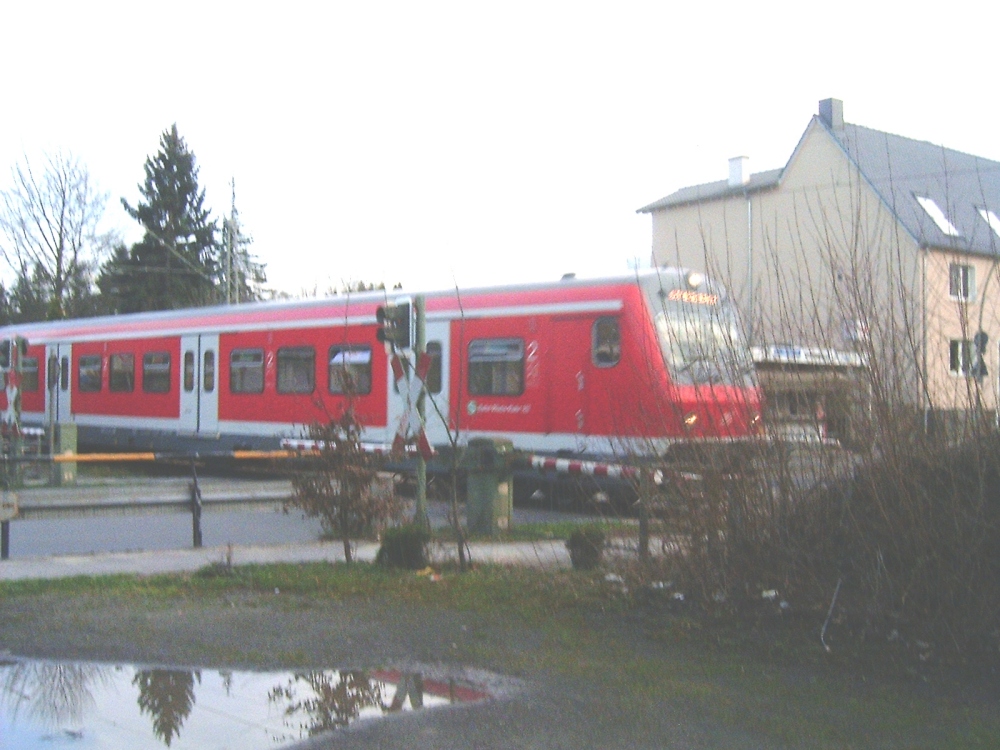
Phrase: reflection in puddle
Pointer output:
(55, 705)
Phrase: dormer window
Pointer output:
(991, 218)
(935, 212)
(962, 282)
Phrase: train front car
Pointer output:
(711, 395)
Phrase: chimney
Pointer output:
(831, 111)
(739, 171)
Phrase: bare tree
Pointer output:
(50, 229)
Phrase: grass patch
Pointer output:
(536, 532)
(773, 684)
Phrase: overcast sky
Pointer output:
(441, 143)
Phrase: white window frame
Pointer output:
(961, 357)
(962, 282)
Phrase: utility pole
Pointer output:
(420, 319)
(233, 228)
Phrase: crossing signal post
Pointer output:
(979, 342)
(395, 324)
(420, 343)
(402, 327)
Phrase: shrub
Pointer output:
(586, 547)
(340, 484)
(404, 547)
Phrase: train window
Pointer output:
(246, 371)
(433, 380)
(156, 372)
(188, 371)
(606, 342)
(64, 375)
(121, 372)
(208, 384)
(350, 369)
(296, 369)
(29, 374)
(89, 375)
(496, 367)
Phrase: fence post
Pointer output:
(195, 507)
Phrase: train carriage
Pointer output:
(577, 367)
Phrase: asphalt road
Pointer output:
(172, 531)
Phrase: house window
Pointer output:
(496, 367)
(350, 369)
(962, 282)
(89, 375)
(246, 371)
(960, 356)
(296, 369)
(121, 373)
(606, 343)
(991, 218)
(156, 372)
(938, 216)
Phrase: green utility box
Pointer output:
(489, 503)
(64, 474)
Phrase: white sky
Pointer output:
(469, 142)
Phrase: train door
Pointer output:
(58, 383)
(568, 372)
(437, 387)
(199, 384)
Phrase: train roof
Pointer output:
(570, 294)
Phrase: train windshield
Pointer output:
(699, 333)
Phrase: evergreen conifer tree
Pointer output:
(176, 262)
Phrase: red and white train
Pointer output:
(586, 368)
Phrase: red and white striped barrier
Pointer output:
(379, 449)
(591, 468)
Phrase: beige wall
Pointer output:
(952, 319)
(824, 252)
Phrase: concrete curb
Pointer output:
(544, 554)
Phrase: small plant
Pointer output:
(340, 485)
(404, 547)
(223, 567)
(586, 547)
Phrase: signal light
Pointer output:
(17, 345)
(394, 325)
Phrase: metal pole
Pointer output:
(195, 507)
(4, 540)
(420, 515)
(645, 488)
(52, 381)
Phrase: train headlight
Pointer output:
(695, 279)
(757, 424)
(690, 420)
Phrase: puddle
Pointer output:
(88, 706)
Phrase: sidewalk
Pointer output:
(539, 554)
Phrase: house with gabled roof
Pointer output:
(864, 242)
